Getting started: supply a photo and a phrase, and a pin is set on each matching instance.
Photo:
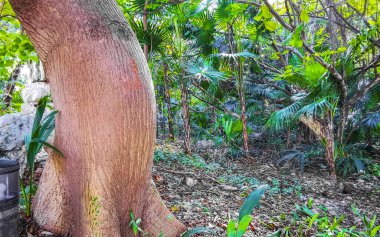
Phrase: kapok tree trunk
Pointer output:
(106, 126)
(168, 102)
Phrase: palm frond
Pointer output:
(318, 108)
(236, 56)
(371, 120)
(285, 117)
(202, 70)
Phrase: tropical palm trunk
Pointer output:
(168, 102)
(106, 125)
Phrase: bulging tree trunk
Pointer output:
(106, 126)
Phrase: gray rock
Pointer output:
(204, 144)
(13, 128)
(35, 91)
(191, 182)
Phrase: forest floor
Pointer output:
(207, 189)
(202, 193)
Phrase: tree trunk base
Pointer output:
(50, 209)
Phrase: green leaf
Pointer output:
(231, 229)
(304, 16)
(265, 12)
(243, 224)
(252, 201)
(312, 220)
(270, 25)
(258, 16)
(37, 140)
(374, 231)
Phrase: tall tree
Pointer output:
(106, 126)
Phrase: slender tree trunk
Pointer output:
(185, 116)
(106, 126)
(238, 67)
(160, 105)
(243, 118)
(288, 138)
(330, 146)
(344, 109)
(168, 102)
(145, 25)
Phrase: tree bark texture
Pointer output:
(106, 126)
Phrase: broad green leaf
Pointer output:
(252, 201)
(265, 12)
(270, 25)
(304, 16)
(243, 224)
(374, 231)
(231, 229)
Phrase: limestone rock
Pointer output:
(35, 91)
(13, 128)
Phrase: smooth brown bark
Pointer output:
(106, 126)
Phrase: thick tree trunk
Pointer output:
(106, 127)
(168, 102)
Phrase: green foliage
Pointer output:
(245, 219)
(15, 47)
(42, 128)
(94, 212)
(135, 224)
(306, 221)
(351, 159)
